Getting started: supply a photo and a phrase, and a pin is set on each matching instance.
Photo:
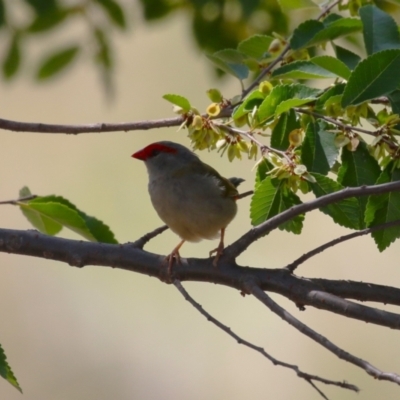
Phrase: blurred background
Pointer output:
(101, 333)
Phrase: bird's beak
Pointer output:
(140, 155)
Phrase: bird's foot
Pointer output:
(219, 250)
(171, 258)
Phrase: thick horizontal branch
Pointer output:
(37, 127)
(240, 245)
(360, 291)
(303, 292)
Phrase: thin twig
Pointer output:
(20, 200)
(89, 128)
(292, 266)
(325, 10)
(266, 71)
(308, 377)
(141, 242)
(263, 147)
(336, 122)
(245, 194)
(256, 291)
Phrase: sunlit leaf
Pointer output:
(50, 214)
(178, 100)
(255, 46)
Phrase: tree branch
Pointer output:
(37, 127)
(323, 341)
(17, 201)
(318, 293)
(240, 245)
(293, 265)
(308, 377)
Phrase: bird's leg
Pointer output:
(220, 249)
(174, 254)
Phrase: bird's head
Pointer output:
(165, 155)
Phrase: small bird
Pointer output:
(191, 197)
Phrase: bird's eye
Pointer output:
(155, 152)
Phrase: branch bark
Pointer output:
(317, 293)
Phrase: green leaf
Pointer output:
(103, 55)
(380, 30)
(394, 99)
(263, 167)
(2, 13)
(287, 105)
(50, 214)
(347, 57)
(375, 76)
(253, 99)
(358, 168)
(344, 212)
(292, 95)
(255, 46)
(287, 5)
(319, 152)
(43, 6)
(40, 221)
(49, 20)
(114, 11)
(271, 198)
(384, 208)
(302, 70)
(332, 65)
(179, 101)
(155, 9)
(280, 134)
(305, 33)
(24, 192)
(104, 58)
(336, 90)
(230, 61)
(57, 62)
(288, 200)
(12, 59)
(6, 371)
(312, 32)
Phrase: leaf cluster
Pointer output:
(308, 139)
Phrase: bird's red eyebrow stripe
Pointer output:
(147, 152)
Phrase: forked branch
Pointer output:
(309, 378)
(256, 291)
